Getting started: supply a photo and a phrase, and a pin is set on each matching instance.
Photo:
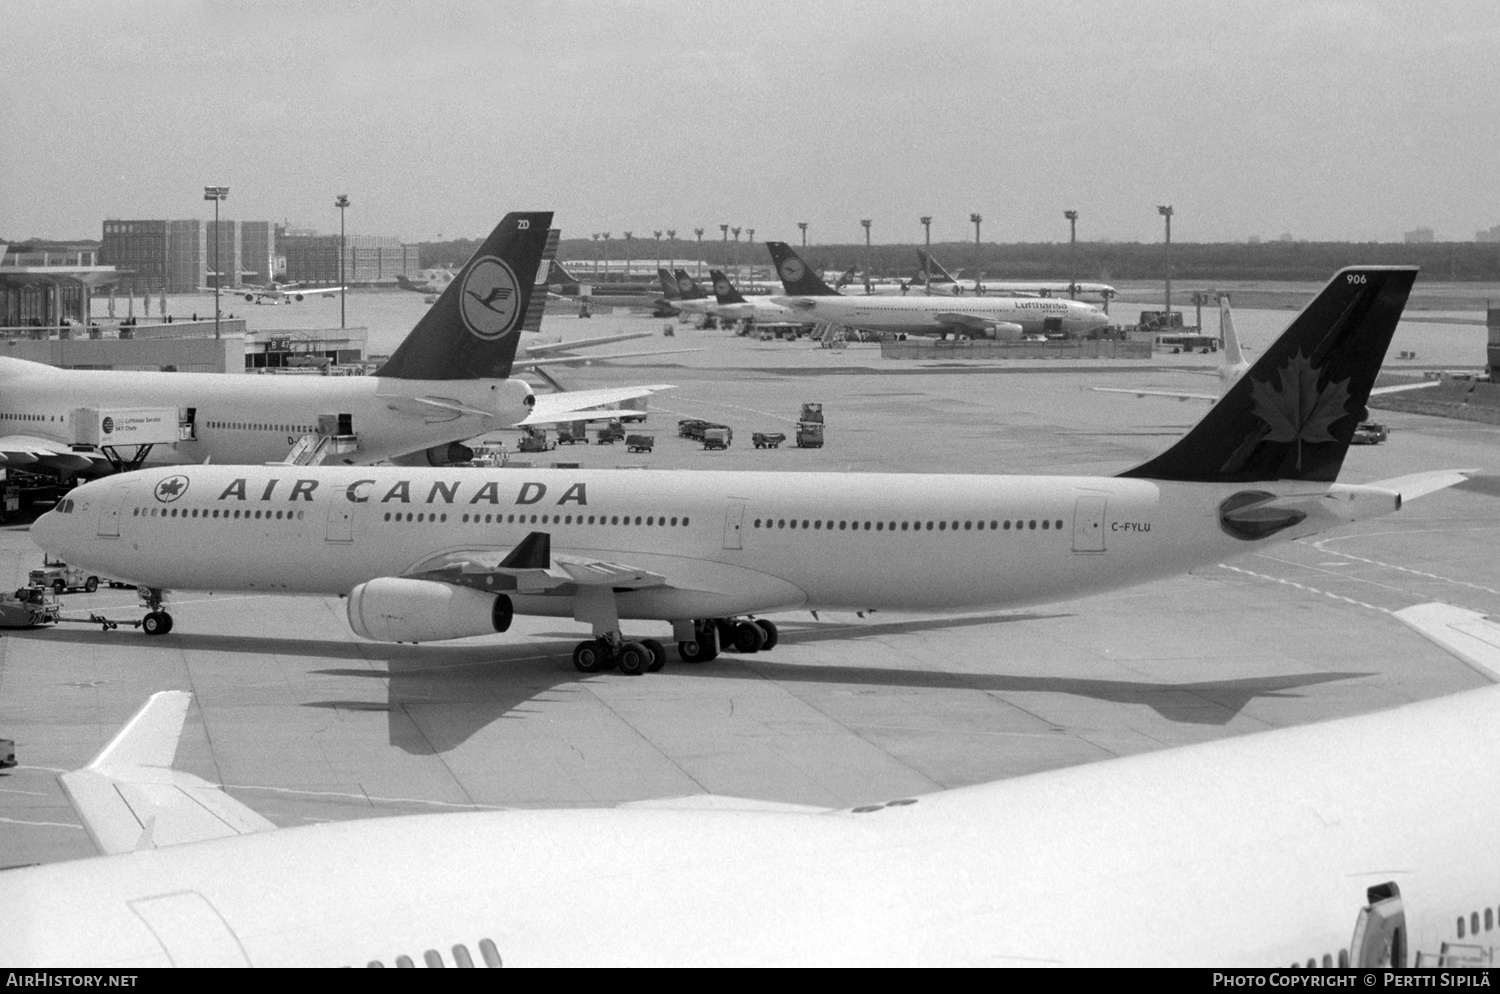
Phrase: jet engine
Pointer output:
(1007, 331)
(249, 298)
(447, 454)
(398, 609)
(297, 297)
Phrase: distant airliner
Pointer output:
(427, 555)
(449, 380)
(1358, 843)
(285, 293)
(920, 314)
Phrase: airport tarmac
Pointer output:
(303, 722)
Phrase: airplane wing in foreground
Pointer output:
(576, 405)
(1211, 397)
(130, 798)
(1469, 635)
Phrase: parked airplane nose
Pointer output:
(45, 530)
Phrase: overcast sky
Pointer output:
(1355, 120)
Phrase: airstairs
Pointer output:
(335, 437)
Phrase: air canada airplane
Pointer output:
(449, 380)
(920, 314)
(1360, 842)
(426, 555)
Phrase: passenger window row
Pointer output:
(1489, 922)
(173, 512)
(1327, 963)
(259, 426)
(880, 526)
(461, 958)
(658, 521)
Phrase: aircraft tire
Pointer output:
(91, 585)
(772, 635)
(633, 659)
(694, 652)
(166, 620)
(658, 654)
(589, 656)
(748, 637)
(153, 624)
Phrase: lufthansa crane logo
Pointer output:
(793, 270)
(684, 284)
(171, 488)
(107, 425)
(722, 286)
(491, 299)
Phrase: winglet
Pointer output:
(130, 798)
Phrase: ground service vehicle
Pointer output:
(534, 440)
(768, 440)
(29, 607)
(611, 433)
(1370, 433)
(717, 437)
(640, 443)
(7, 753)
(62, 578)
(571, 433)
(691, 428)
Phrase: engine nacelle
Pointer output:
(249, 298)
(1007, 331)
(397, 609)
(297, 297)
(447, 454)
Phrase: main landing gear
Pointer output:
(709, 635)
(157, 620)
(612, 651)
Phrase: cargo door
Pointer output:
(109, 511)
(1088, 524)
(190, 930)
(340, 522)
(734, 520)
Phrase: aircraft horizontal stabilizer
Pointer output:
(574, 360)
(1403, 387)
(585, 343)
(1415, 485)
(582, 405)
(1468, 635)
(130, 798)
(1210, 397)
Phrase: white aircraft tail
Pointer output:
(130, 798)
(1232, 354)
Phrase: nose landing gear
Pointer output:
(157, 620)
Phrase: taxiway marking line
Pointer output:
(1403, 569)
(41, 824)
(368, 797)
(1303, 586)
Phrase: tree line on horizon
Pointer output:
(1469, 262)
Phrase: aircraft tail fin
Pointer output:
(931, 266)
(1232, 354)
(472, 330)
(538, 303)
(1292, 414)
(687, 287)
(796, 276)
(724, 290)
(130, 798)
(668, 285)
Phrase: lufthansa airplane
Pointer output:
(1362, 842)
(426, 555)
(946, 284)
(731, 305)
(449, 380)
(920, 314)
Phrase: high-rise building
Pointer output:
(367, 258)
(178, 256)
(1493, 235)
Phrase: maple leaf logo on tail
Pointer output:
(1296, 410)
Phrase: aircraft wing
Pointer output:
(531, 568)
(584, 343)
(574, 359)
(130, 798)
(958, 319)
(1468, 635)
(576, 405)
(1210, 397)
(39, 454)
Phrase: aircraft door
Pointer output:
(1052, 326)
(1088, 524)
(1380, 932)
(734, 520)
(340, 522)
(190, 930)
(109, 511)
